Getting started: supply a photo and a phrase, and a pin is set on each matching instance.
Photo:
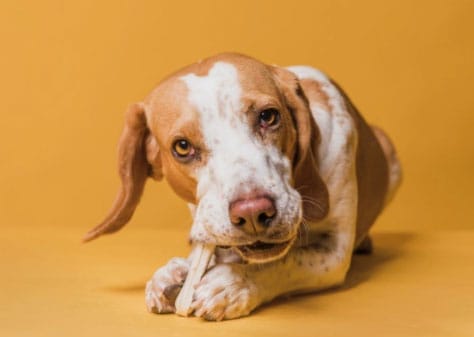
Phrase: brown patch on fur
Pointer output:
(375, 154)
(315, 94)
(307, 180)
(394, 167)
(171, 117)
(372, 173)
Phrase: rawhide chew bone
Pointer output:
(201, 254)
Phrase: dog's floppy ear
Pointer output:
(307, 180)
(138, 158)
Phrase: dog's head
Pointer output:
(235, 138)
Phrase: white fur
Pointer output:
(237, 162)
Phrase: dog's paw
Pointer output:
(163, 288)
(225, 292)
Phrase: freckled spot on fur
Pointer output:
(211, 171)
(326, 269)
(323, 242)
(341, 121)
(237, 161)
(268, 161)
(233, 123)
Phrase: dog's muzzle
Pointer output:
(254, 214)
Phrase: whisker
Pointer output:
(313, 203)
(298, 188)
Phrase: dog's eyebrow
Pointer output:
(257, 101)
(186, 124)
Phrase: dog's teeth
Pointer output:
(202, 254)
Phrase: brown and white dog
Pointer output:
(280, 171)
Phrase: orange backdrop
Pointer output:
(69, 70)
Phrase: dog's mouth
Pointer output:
(260, 252)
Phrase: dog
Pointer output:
(280, 171)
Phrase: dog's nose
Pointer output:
(252, 214)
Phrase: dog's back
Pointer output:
(377, 166)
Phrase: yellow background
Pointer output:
(69, 70)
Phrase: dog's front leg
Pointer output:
(233, 290)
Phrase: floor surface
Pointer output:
(415, 284)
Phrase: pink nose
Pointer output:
(253, 214)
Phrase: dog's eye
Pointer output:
(183, 149)
(269, 117)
